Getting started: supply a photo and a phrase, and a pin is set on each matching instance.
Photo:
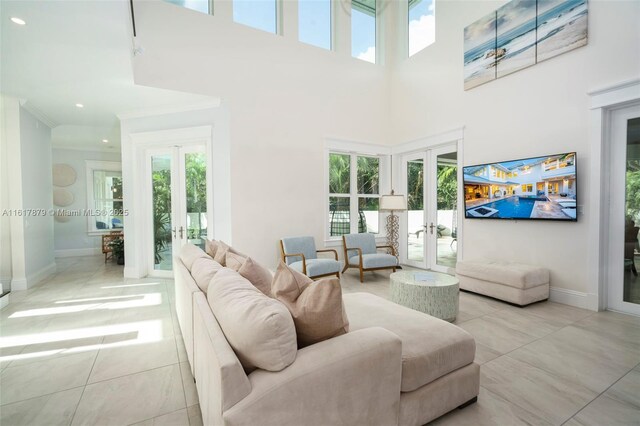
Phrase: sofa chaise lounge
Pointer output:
(395, 366)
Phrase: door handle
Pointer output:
(431, 227)
(174, 232)
(182, 232)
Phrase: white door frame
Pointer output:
(143, 142)
(399, 153)
(603, 102)
(615, 253)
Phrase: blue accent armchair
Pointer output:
(300, 253)
(360, 251)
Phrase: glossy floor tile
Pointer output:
(90, 347)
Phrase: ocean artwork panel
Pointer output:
(562, 26)
(516, 36)
(480, 52)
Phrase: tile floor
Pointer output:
(89, 347)
(545, 364)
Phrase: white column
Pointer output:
(342, 27)
(288, 19)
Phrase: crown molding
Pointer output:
(164, 110)
(48, 121)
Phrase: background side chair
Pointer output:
(300, 253)
(360, 252)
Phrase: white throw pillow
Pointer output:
(259, 329)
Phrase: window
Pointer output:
(527, 188)
(363, 30)
(260, 14)
(314, 22)
(104, 196)
(422, 24)
(197, 5)
(354, 192)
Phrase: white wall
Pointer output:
(35, 147)
(72, 238)
(284, 99)
(537, 111)
(5, 222)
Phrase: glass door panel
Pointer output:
(447, 209)
(161, 189)
(415, 211)
(631, 284)
(195, 189)
(623, 258)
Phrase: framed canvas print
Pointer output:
(516, 36)
(562, 26)
(480, 51)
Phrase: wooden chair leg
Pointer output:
(361, 275)
(346, 265)
(338, 274)
(394, 269)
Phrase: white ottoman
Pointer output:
(516, 283)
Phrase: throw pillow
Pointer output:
(203, 270)
(259, 329)
(257, 275)
(316, 306)
(189, 253)
(210, 247)
(233, 260)
(221, 253)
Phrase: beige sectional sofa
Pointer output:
(395, 366)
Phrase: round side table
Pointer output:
(433, 293)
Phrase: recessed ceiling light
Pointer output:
(18, 21)
(105, 140)
(80, 105)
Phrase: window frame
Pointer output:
(353, 195)
(277, 15)
(91, 167)
(408, 11)
(364, 149)
(376, 31)
(331, 28)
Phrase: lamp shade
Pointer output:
(393, 202)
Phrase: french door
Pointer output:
(623, 280)
(178, 203)
(431, 222)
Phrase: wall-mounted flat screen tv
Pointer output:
(539, 188)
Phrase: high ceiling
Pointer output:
(73, 52)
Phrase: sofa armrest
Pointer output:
(353, 379)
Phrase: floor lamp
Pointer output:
(393, 203)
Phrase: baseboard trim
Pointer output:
(572, 298)
(4, 300)
(78, 252)
(33, 279)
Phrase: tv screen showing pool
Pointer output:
(539, 188)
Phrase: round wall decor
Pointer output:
(63, 175)
(62, 197)
(61, 218)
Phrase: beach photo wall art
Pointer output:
(520, 34)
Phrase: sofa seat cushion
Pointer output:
(431, 347)
(377, 260)
(203, 270)
(316, 267)
(258, 328)
(518, 275)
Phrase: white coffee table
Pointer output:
(430, 292)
